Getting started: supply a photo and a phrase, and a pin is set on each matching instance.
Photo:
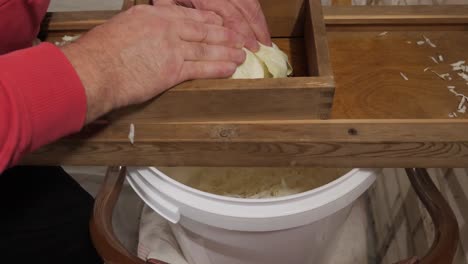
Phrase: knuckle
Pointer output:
(211, 13)
(201, 30)
(201, 51)
(212, 16)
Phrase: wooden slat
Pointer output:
(127, 4)
(79, 20)
(341, 2)
(339, 131)
(316, 41)
(228, 100)
(349, 143)
(406, 15)
(84, 20)
(285, 18)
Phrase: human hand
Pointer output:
(146, 50)
(243, 16)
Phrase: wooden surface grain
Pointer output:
(345, 143)
(315, 37)
(367, 66)
(403, 15)
(367, 73)
(233, 100)
(284, 18)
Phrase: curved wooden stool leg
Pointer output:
(446, 238)
(102, 232)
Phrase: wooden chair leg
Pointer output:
(446, 238)
(101, 229)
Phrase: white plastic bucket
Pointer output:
(213, 229)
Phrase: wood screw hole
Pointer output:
(352, 132)
(224, 133)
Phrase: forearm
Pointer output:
(92, 72)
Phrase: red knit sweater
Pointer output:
(41, 96)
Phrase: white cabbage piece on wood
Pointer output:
(267, 62)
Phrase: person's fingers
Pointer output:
(195, 51)
(207, 70)
(171, 11)
(210, 34)
(232, 19)
(252, 12)
(208, 17)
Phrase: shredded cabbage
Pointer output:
(255, 183)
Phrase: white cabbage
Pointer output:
(252, 68)
(267, 62)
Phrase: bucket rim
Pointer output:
(176, 201)
(291, 197)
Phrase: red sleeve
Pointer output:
(19, 22)
(41, 100)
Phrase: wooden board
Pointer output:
(367, 74)
(315, 37)
(285, 18)
(366, 143)
(291, 139)
(403, 15)
(367, 66)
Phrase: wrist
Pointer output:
(99, 100)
